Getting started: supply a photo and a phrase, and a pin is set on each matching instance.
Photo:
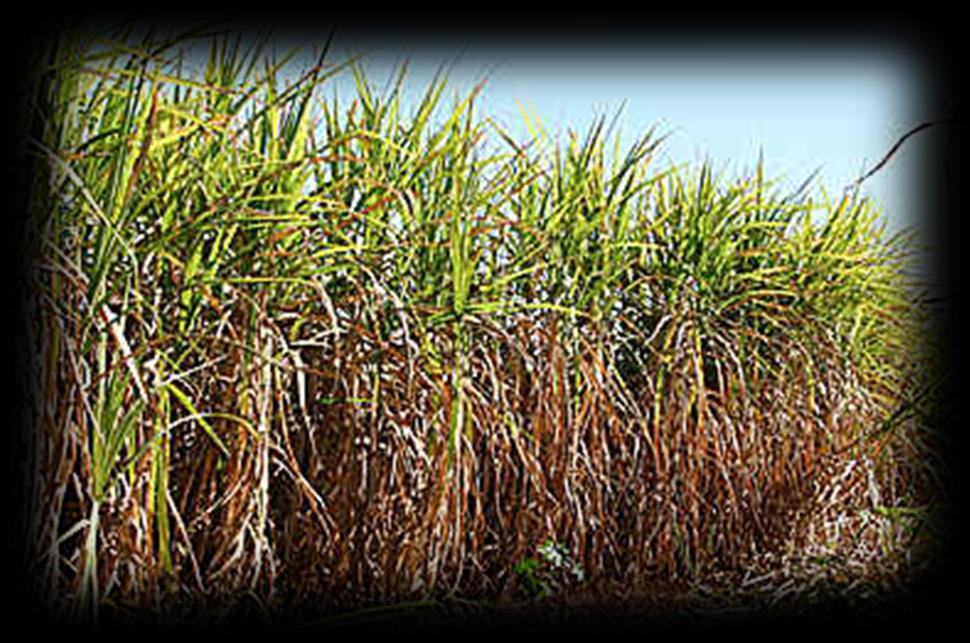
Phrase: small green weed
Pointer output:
(550, 573)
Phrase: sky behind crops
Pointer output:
(809, 100)
(840, 113)
(837, 109)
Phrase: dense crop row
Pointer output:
(297, 353)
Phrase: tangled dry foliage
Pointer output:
(297, 357)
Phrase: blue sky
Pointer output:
(839, 112)
(839, 109)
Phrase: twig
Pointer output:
(890, 153)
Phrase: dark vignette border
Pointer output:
(930, 39)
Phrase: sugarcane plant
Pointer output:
(290, 346)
